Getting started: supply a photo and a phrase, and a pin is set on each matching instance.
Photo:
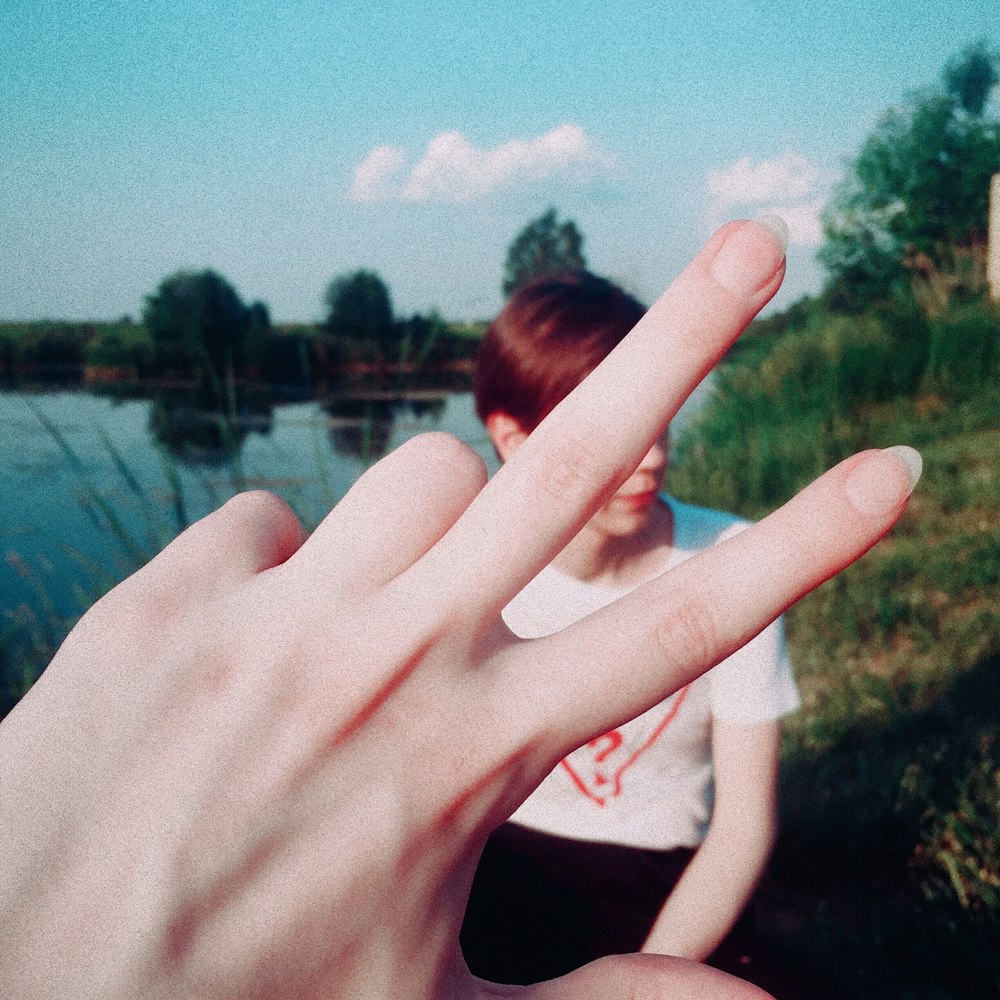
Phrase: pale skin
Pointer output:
(624, 543)
(265, 766)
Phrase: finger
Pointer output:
(250, 533)
(639, 977)
(596, 437)
(698, 613)
(394, 513)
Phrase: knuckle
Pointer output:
(687, 634)
(251, 531)
(441, 449)
(574, 470)
(439, 458)
(258, 505)
(280, 532)
(264, 520)
(635, 976)
(642, 979)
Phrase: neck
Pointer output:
(598, 556)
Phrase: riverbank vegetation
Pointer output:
(886, 878)
(886, 881)
(285, 355)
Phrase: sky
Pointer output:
(285, 142)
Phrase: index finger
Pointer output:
(596, 437)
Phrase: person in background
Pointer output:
(654, 835)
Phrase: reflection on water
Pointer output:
(200, 427)
(126, 469)
(89, 480)
(362, 427)
(201, 432)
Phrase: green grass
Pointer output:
(886, 879)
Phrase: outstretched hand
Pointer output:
(265, 765)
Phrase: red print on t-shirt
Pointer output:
(597, 768)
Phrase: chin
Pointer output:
(625, 523)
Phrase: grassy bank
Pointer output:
(886, 881)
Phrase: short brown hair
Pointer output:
(551, 334)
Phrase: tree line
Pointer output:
(910, 216)
(195, 325)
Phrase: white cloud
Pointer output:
(789, 185)
(803, 218)
(746, 183)
(453, 169)
(374, 175)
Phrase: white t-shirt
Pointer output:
(649, 783)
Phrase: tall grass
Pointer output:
(33, 631)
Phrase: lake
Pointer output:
(91, 484)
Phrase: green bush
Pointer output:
(905, 322)
(55, 345)
(46, 343)
(891, 788)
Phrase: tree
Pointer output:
(912, 210)
(358, 307)
(196, 320)
(543, 246)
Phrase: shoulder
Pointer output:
(702, 527)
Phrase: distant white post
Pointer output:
(993, 239)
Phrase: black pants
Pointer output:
(542, 906)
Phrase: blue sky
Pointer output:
(282, 143)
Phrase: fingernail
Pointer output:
(911, 460)
(877, 487)
(751, 255)
(778, 228)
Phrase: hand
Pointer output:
(264, 766)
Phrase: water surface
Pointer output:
(71, 459)
(91, 484)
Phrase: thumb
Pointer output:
(643, 977)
